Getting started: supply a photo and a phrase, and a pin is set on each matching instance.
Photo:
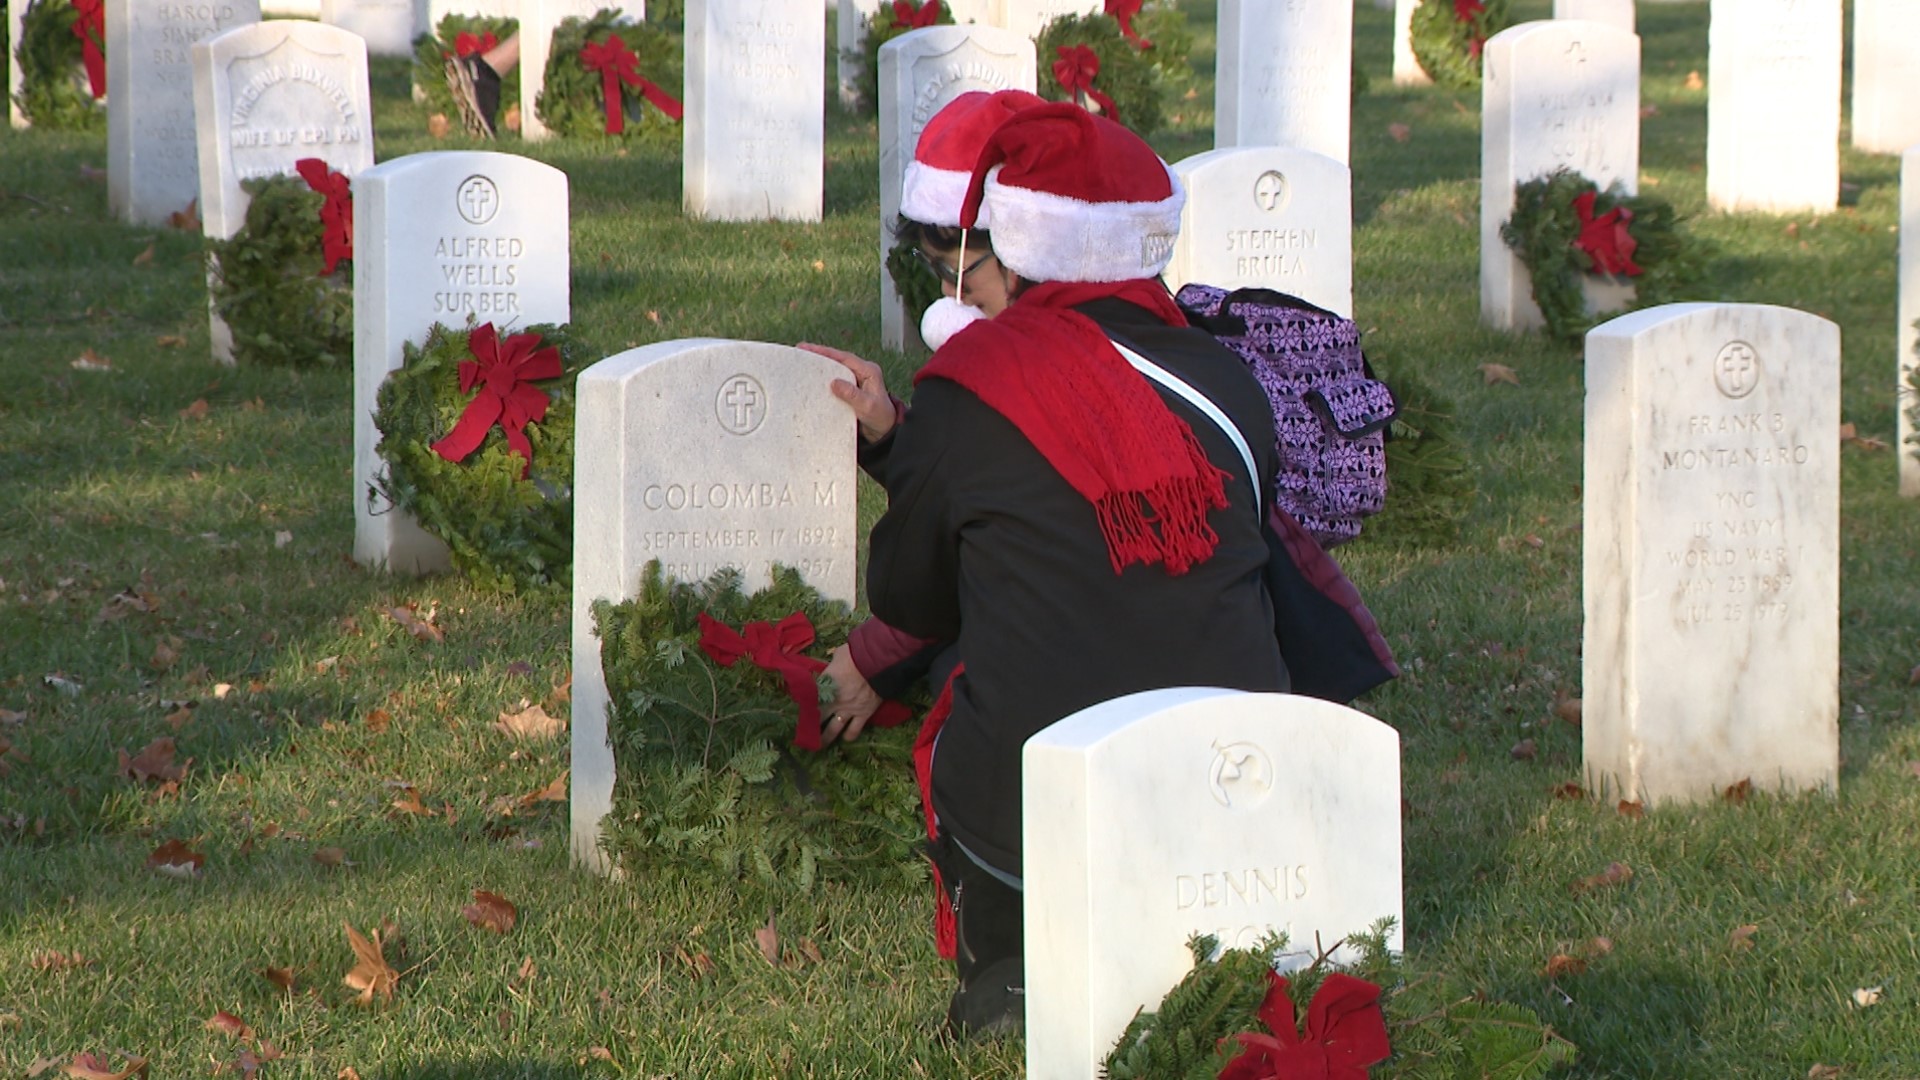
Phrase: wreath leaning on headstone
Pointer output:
(284, 282)
(1448, 36)
(708, 687)
(460, 35)
(1564, 228)
(1430, 484)
(1911, 392)
(63, 65)
(893, 18)
(609, 75)
(912, 281)
(476, 428)
(1091, 61)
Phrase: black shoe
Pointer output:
(475, 87)
(992, 1004)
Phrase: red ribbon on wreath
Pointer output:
(91, 29)
(616, 64)
(1605, 239)
(1075, 71)
(915, 16)
(336, 213)
(503, 372)
(1345, 1034)
(1466, 11)
(467, 43)
(774, 647)
(1123, 12)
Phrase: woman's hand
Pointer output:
(867, 393)
(854, 702)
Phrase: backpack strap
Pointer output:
(1192, 396)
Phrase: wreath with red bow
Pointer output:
(611, 76)
(894, 17)
(63, 65)
(1449, 35)
(284, 282)
(1564, 228)
(461, 35)
(1126, 63)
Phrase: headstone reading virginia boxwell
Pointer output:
(755, 111)
(1267, 217)
(1284, 75)
(386, 24)
(451, 237)
(537, 21)
(1909, 312)
(1712, 575)
(1773, 105)
(1886, 75)
(1615, 13)
(1555, 94)
(1406, 66)
(703, 454)
(153, 153)
(920, 72)
(1163, 814)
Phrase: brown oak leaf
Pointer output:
(420, 626)
(768, 938)
(1741, 939)
(370, 974)
(56, 962)
(1499, 373)
(531, 722)
(154, 762)
(491, 911)
(90, 1066)
(281, 977)
(230, 1024)
(1633, 810)
(1616, 873)
(1737, 792)
(176, 860)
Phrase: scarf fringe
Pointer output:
(1177, 505)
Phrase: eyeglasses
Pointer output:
(945, 272)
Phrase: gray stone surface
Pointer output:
(1272, 217)
(1615, 13)
(755, 111)
(1773, 105)
(1908, 337)
(1886, 75)
(1284, 75)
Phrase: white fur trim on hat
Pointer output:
(1047, 237)
(946, 317)
(933, 196)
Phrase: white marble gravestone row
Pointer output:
(1285, 76)
(1773, 105)
(443, 237)
(1712, 574)
(537, 21)
(387, 25)
(920, 72)
(755, 111)
(1886, 75)
(1615, 13)
(490, 9)
(1028, 17)
(1909, 312)
(1267, 217)
(290, 9)
(152, 147)
(1406, 66)
(1560, 93)
(849, 31)
(703, 454)
(1163, 814)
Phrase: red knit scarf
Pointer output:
(1096, 420)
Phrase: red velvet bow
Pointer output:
(336, 213)
(1605, 239)
(91, 29)
(774, 647)
(1345, 1034)
(1123, 12)
(467, 43)
(1075, 71)
(503, 371)
(907, 14)
(616, 64)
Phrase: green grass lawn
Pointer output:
(225, 534)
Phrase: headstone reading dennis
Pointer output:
(755, 111)
(703, 454)
(387, 25)
(1773, 105)
(1285, 76)
(1406, 66)
(537, 21)
(1886, 75)
(152, 149)
(1905, 395)
(453, 237)
(1267, 217)
(1167, 813)
(1556, 94)
(1712, 574)
(1615, 13)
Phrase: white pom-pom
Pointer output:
(946, 317)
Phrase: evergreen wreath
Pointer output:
(706, 782)
(912, 281)
(271, 286)
(55, 94)
(574, 100)
(1911, 392)
(1437, 1028)
(1564, 228)
(1086, 59)
(889, 22)
(1448, 35)
(508, 521)
(430, 53)
(1430, 484)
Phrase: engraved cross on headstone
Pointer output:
(477, 200)
(742, 399)
(1268, 189)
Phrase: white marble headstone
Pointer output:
(1712, 573)
(490, 9)
(1554, 94)
(1028, 17)
(1773, 105)
(1909, 313)
(920, 72)
(1284, 75)
(849, 32)
(1267, 217)
(537, 21)
(1615, 13)
(1156, 816)
(442, 237)
(386, 24)
(16, 10)
(1406, 66)
(152, 150)
(755, 111)
(291, 9)
(1886, 75)
(702, 454)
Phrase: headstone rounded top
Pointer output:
(1097, 724)
(1635, 323)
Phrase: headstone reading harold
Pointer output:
(1555, 94)
(1886, 75)
(703, 454)
(1167, 813)
(1909, 338)
(1712, 571)
(1267, 217)
(447, 237)
(1615, 13)
(537, 21)
(153, 153)
(1285, 76)
(1406, 66)
(920, 72)
(755, 111)
(1773, 105)
(387, 25)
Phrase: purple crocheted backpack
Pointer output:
(1329, 412)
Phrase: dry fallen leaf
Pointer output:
(154, 762)
(281, 977)
(1695, 82)
(768, 938)
(1616, 873)
(9, 716)
(378, 720)
(52, 960)
(1400, 132)
(1568, 709)
(370, 975)
(420, 626)
(88, 360)
(1569, 791)
(1524, 750)
(1741, 939)
(700, 962)
(596, 1053)
(491, 911)
(554, 792)
(229, 1023)
(179, 717)
(176, 860)
(438, 125)
(166, 653)
(1561, 965)
(531, 722)
(1824, 1072)
(145, 258)
(1867, 996)
(1498, 373)
(409, 802)
(170, 341)
(1632, 810)
(187, 220)
(511, 118)
(90, 1066)
(1737, 792)
(347, 1073)
(332, 856)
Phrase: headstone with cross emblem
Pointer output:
(1712, 572)
(1168, 813)
(1615, 13)
(452, 237)
(1906, 394)
(1773, 105)
(1406, 66)
(1285, 75)
(1269, 217)
(1886, 75)
(1556, 94)
(702, 454)
(755, 124)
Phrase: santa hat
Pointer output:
(936, 179)
(1074, 197)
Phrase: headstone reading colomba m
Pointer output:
(755, 111)
(1886, 75)
(1285, 76)
(1267, 217)
(1773, 105)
